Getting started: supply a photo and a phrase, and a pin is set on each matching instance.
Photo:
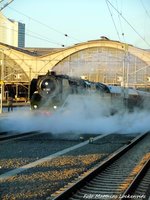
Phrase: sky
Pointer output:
(57, 23)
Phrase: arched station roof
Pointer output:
(33, 65)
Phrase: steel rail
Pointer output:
(136, 181)
(68, 193)
(5, 137)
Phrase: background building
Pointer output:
(12, 32)
(107, 61)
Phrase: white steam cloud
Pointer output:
(80, 114)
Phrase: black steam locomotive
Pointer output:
(50, 91)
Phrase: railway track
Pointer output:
(5, 136)
(19, 149)
(55, 161)
(140, 186)
(112, 178)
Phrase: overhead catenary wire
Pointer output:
(128, 23)
(113, 19)
(6, 4)
(43, 24)
(37, 36)
(146, 11)
(120, 23)
(41, 37)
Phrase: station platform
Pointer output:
(17, 106)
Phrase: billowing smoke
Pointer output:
(79, 114)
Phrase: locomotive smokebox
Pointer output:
(48, 85)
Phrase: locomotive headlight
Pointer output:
(46, 83)
(35, 106)
(55, 107)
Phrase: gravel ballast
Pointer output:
(43, 180)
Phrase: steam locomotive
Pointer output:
(51, 91)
